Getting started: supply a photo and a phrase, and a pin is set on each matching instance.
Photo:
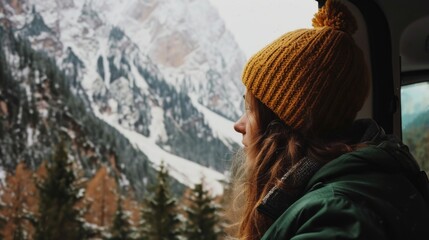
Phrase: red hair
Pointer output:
(276, 149)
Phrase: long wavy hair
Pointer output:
(274, 151)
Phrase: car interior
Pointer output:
(394, 36)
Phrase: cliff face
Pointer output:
(165, 75)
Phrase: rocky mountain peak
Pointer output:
(164, 74)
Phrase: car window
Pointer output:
(415, 120)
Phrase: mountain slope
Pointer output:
(38, 110)
(152, 70)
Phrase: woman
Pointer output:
(311, 171)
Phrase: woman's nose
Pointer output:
(239, 125)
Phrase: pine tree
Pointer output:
(202, 217)
(160, 218)
(58, 218)
(20, 204)
(122, 228)
(20, 233)
(101, 196)
(3, 221)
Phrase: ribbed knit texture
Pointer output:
(292, 186)
(312, 75)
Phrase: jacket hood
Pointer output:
(388, 156)
(384, 153)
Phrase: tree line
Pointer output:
(416, 136)
(56, 202)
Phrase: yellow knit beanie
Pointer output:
(313, 79)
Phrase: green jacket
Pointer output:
(376, 192)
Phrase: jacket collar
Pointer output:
(294, 181)
(298, 179)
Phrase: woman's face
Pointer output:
(247, 124)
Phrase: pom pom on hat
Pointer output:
(335, 15)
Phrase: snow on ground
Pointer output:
(157, 127)
(139, 80)
(222, 127)
(185, 171)
(2, 175)
(30, 131)
(103, 50)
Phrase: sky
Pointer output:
(256, 23)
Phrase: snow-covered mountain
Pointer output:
(165, 74)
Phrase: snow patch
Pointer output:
(2, 176)
(185, 171)
(113, 104)
(123, 181)
(30, 131)
(157, 127)
(222, 127)
(139, 80)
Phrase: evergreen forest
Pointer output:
(57, 202)
(69, 175)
